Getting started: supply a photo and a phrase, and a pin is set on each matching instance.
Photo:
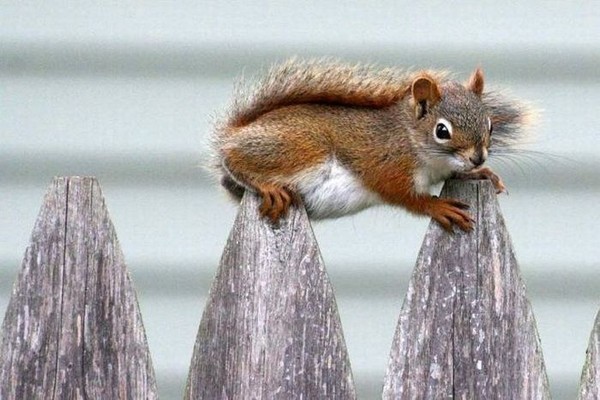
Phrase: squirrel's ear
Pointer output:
(475, 83)
(425, 93)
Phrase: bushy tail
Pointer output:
(512, 120)
(317, 81)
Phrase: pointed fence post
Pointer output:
(589, 387)
(466, 329)
(271, 329)
(73, 328)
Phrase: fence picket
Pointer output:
(466, 329)
(589, 387)
(73, 328)
(270, 329)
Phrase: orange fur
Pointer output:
(377, 124)
(396, 187)
(475, 83)
(319, 81)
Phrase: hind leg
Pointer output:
(233, 188)
(266, 161)
(276, 201)
(276, 198)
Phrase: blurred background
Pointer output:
(127, 92)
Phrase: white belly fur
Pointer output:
(434, 172)
(330, 191)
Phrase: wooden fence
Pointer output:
(271, 329)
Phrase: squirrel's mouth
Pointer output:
(468, 162)
(474, 157)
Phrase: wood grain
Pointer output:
(271, 329)
(466, 329)
(589, 387)
(73, 329)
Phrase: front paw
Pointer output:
(484, 173)
(450, 212)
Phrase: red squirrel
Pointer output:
(342, 138)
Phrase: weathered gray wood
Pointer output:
(271, 328)
(466, 329)
(589, 387)
(73, 328)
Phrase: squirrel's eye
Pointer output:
(443, 130)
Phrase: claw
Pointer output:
(450, 212)
(275, 201)
(484, 173)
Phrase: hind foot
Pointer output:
(276, 201)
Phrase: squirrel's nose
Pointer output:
(477, 159)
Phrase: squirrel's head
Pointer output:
(455, 124)
(460, 124)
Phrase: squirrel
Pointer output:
(341, 138)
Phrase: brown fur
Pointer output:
(319, 81)
(376, 123)
(475, 83)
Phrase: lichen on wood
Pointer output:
(466, 329)
(73, 328)
(271, 329)
(589, 387)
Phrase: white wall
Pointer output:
(126, 92)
